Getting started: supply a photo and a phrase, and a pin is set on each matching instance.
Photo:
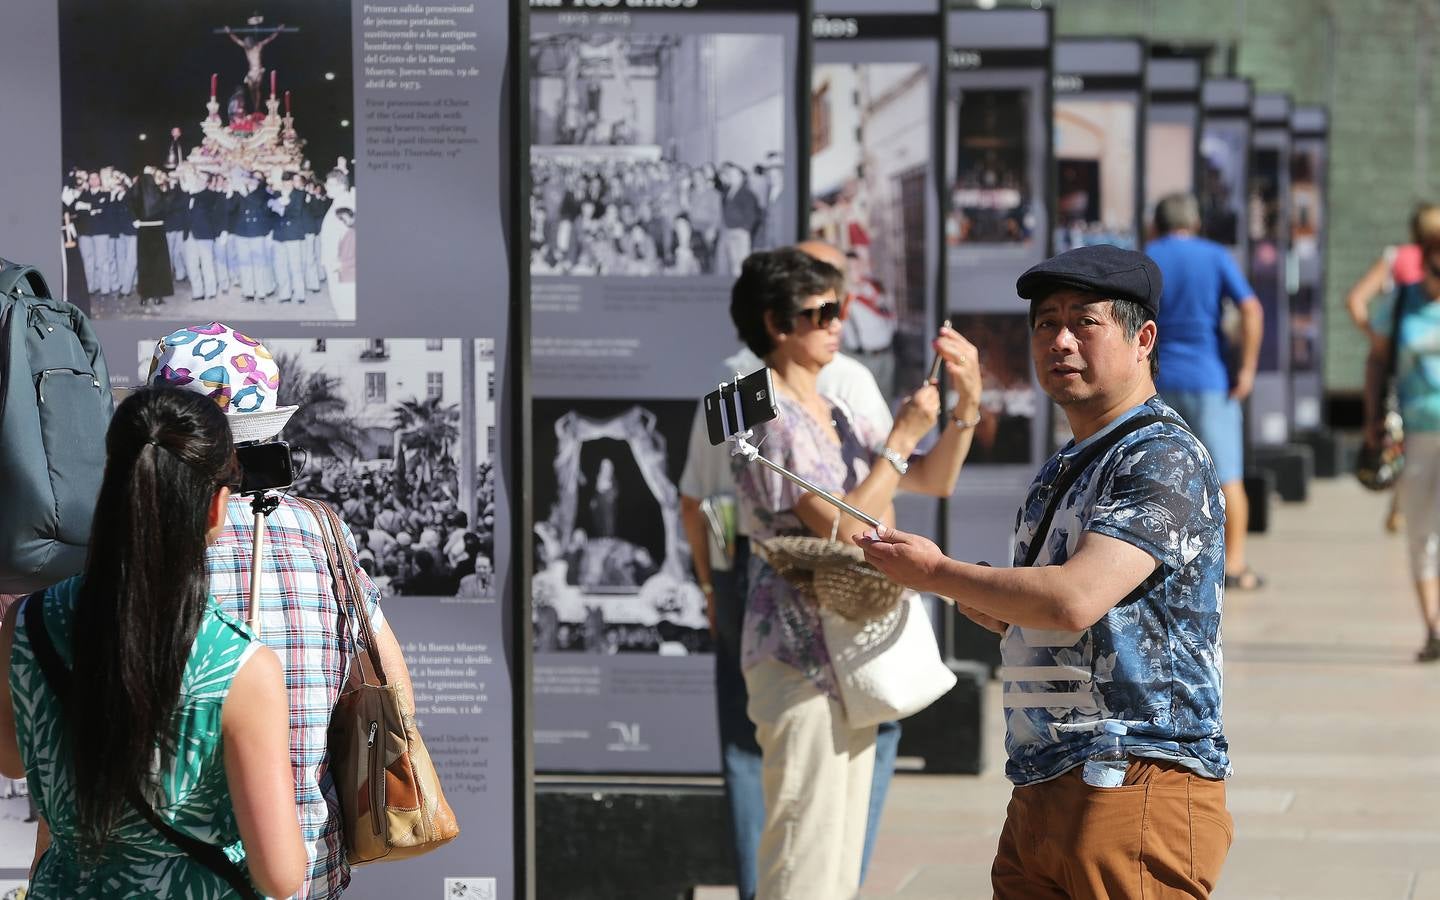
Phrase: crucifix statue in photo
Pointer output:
(248, 39)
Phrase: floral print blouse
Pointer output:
(781, 624)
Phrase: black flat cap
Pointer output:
(1112, 273)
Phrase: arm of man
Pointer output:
(1068, 597)
(1157, 504)
(706, 474)
(1252, 323)
(393, 659)
(697, 533)
(1252, 329)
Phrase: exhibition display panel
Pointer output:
(1225, 163)
(998, 179)
(1172, 128)
(394, 326)
(1099, 142)
(665, 145)
(1268, 225)
(1309, 185)
(874, 189)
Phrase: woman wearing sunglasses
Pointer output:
(143, 716)
(818, 769)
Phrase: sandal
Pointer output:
(1430, 652)
(1246, 579)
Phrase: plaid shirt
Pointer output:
(301, 621)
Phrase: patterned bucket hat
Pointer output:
(233, 369)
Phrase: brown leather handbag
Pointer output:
(391, 803)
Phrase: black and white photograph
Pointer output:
(656, 154)
(992, 199)
(1223, 148)
(1008, 400)
(382, 434)
(870, 157)
(612, 566)
(208, 159)
(1095, 173)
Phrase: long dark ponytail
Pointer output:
(144, 590)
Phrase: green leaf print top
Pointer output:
(192, 794)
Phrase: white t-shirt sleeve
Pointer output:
(707, 468)
(848, 380)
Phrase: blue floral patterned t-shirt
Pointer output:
(1153, 662)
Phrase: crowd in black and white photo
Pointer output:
(629, 216)
(266, 236)
(419, 543)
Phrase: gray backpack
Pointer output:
(55, 406)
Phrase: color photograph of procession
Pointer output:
(207, 159)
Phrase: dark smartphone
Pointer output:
(756, 401)
(265, 467)
(934, 372)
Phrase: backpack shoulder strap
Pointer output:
(58, 676)
(1071, 471)
(12, 274)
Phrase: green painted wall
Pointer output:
(1369, 62)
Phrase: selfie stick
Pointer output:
(262, 504)
(740, 437)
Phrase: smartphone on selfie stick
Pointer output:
(935, 363)
(263, 468)
(731, 410)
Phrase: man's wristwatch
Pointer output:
(901, 464)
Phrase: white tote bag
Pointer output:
(888, 667)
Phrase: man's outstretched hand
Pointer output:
(915, 562)
(906, 559)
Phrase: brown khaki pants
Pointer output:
(1164, 833)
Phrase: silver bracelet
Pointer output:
(965, 423)
(901, 464)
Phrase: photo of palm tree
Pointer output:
(397, 434)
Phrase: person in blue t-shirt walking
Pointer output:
(1194, 376)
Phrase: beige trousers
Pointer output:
(816, 772)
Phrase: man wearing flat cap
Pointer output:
(1110, 616)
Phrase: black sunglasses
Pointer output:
(821, 316)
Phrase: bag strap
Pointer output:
(347, 589)
(58, 677)
(11, 274)
(1061, 485)
(1395, 316)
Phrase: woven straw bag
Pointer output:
(834, 574)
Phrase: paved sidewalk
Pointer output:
(1334, 733)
